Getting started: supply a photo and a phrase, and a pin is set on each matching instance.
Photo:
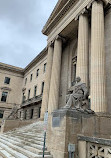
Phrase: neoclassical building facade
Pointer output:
(78, 44)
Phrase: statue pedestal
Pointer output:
(71, 126)
(64, 125)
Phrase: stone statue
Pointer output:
(79, 97)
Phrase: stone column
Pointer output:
(45, 99)
(82, 149)
(55, 76)
(83, 48)
(98, 92)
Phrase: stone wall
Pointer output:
(12, 124)
(64, 126)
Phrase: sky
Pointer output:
(21, 23)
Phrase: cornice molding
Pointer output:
(41, 55)
(78, 9)
(5, 88)
(52, 22)
(11, 68)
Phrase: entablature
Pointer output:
(56, 26)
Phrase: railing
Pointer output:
(94, 147)
(32, 100)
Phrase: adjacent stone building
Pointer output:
(23, 88)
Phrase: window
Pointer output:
(31, 77)
(39, 111)
(42, 88)
(7, 80)
(23, 98)
(37, 73)
(25, 81)
(35, 91)
(1, 113)
(32, 111)
(28, 93)
(20, 115)
(25, 114)
(4, 96)
(45, 67)
(74, 62)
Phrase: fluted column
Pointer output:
(55, 76)
(45, 99)
(83, 48)
(98, 92)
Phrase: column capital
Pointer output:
(60, 37)
(50, 44)
(105, 2)
(83, 11)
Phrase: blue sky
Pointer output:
(21, 23)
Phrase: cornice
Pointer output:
(11, 68)
(36, 59)
(72, 14)
(52, 22)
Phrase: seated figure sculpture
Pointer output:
(78, 97)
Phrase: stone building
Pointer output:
(11, 79)
(23, 87)
(79, 37)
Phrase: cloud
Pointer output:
(21, 22)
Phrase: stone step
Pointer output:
(36, 151)
(11, 151)
(5, 154)
(19, 149)
(23, 141)
(20, 145)
(25, 136)
(32, 134)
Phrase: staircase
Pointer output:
(25, 142)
